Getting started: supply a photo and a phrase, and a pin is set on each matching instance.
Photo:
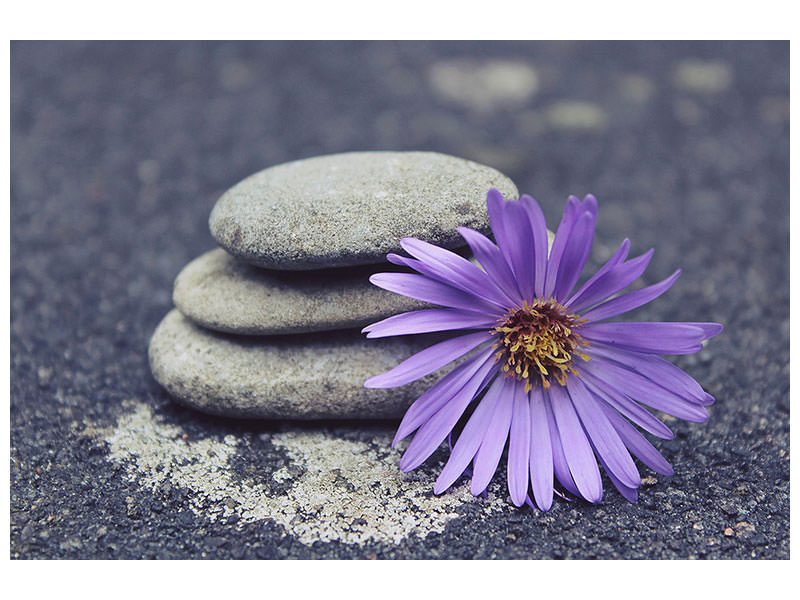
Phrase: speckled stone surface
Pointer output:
(225, 294)
(352, 208)
(312, 376)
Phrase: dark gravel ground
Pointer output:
(119, 151)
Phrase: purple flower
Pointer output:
(546, 372)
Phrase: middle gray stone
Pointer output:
(222, 293)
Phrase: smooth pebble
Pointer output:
(307, 376)
(225, 294)
(353, 208)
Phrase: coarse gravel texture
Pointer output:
(304, 376)
(352, 208)
(225, 294)
(119, 152)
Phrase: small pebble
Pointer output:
(353, 208)
(703, 76)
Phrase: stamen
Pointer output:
(538, 342)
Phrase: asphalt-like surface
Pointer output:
(119, 151)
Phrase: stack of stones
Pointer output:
(268, 326)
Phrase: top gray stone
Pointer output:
(352, 208)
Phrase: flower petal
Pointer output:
(650, 337)
(519, 245)
(575, 255)
(619, 256)
(494, 439)
(580, 458)
(428, 360)
(645, 391)
(541, 463)
(426, 289)
(630, 494)
(539, 231)
(560, 245)
(613, 281)
(638, 444)
(656, 369)
(708, 400)
(590, 203)
(627, 407)
(435, 430)
(560, 466)
(496, 207)
(428, 320)
(429, 403)
(626, 302)
(470, 439)
(604, 438)
(396, 259)
(492, 261)
(519, 446)
(455, 270)
(710, 330)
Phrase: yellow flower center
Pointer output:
(538, 342)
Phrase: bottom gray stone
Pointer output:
(308, 376)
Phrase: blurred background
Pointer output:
(119, 150)
(141, 138)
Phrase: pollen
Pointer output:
(539, 342)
